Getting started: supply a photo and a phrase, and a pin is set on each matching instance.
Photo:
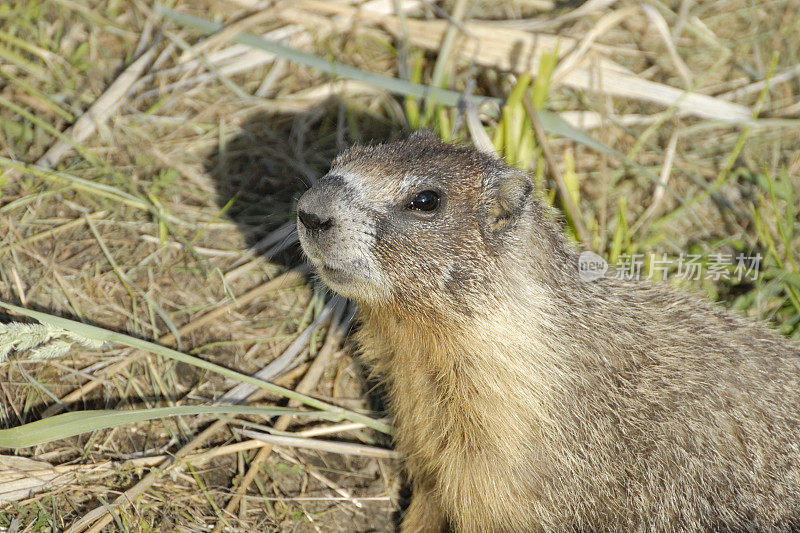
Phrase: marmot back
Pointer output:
(526, 398)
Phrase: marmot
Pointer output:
(527, 399)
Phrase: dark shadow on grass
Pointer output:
(261, 172)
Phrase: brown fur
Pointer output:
(526, 399)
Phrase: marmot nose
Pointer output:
(315, 210)
(314, 222)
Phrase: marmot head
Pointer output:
(416, 223)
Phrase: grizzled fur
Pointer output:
(527, 399)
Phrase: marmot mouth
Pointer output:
(327, 268)
(337, 275)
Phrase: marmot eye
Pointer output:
(424, 201)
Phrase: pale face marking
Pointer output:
(349, 249)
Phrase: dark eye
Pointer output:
(424, 201)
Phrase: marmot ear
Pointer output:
(505, 197)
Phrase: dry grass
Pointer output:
(172, 196)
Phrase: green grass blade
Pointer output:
(541, 85)
(620, 233)
(77, 183)
(551, 122)
(39, 95)
(441, 96)
(100, 334)
(70, 424)
(47, 128)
